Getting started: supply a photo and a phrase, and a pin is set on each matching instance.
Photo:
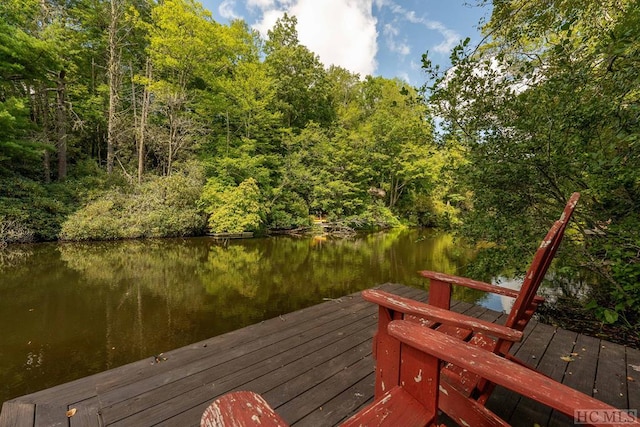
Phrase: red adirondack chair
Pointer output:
(464, 393)
(414, 400)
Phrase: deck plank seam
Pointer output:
(204, 402)
(361, 328)
(209, 363)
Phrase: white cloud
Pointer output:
(404, 76)
(226, 10)
(269, 18)
(391, 33)
(261, 4)
(340, 32)
(451, 37)
(411, 17)
(390, 30)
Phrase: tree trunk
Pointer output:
(143, 121)
(43, 112)
(396, 189)
(113, 77)
(40, 117)
(228, 132)
(61, 127)
(172, 137)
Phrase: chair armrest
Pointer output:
(440, 315)
(500, 371)
(468, 283)
(241, 409)
(473, 284)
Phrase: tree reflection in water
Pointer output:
(73, 309)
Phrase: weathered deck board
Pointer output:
(18, 414)
(633, 378)
(552, 365)
(314, 366)
(611, 380)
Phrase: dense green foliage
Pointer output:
(159, 207)
(548, 105)
(233, 209)
(148, 92)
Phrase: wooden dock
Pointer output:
(314, 366)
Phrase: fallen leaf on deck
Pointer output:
(635, 367)
(158, 358)
(567, 358)
(630, 379)
(71, 412)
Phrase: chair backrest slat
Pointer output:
(539, 266)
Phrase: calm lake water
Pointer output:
(70, 310)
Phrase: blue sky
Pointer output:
(377, 37)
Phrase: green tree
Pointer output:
(547, 106)
(25, 63)
(400, 137)
(302, 88)
(233, 209)
(182, 46)
(243, 129)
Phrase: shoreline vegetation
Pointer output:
(127, 119)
